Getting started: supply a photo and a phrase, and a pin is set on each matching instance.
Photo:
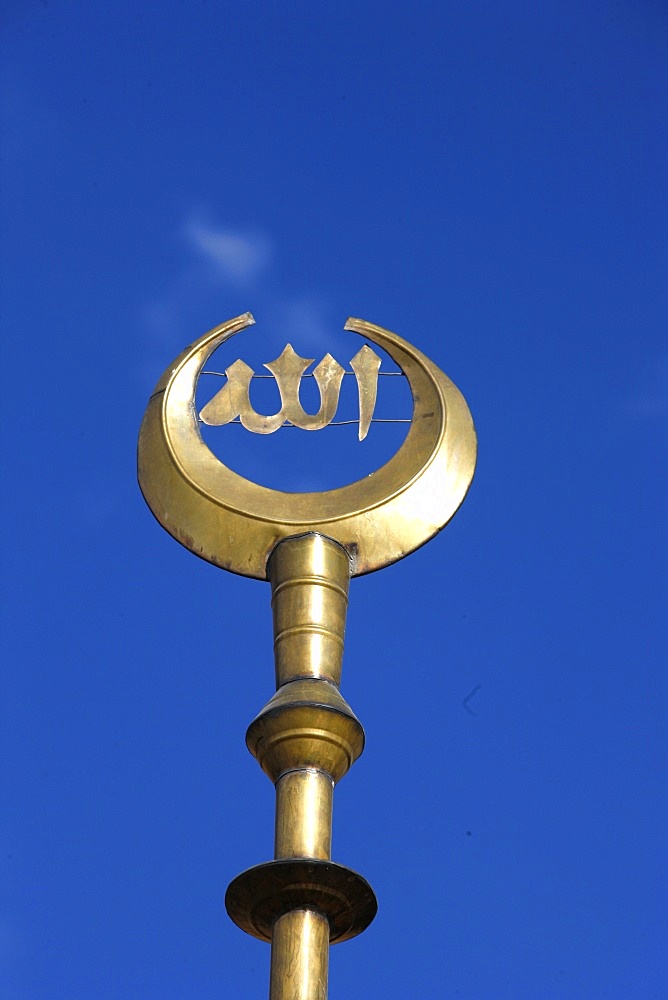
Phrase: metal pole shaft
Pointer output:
(305, 739)
(300, 956)
(309, 578)
(304, 801)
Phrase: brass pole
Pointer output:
(305, 739)
(308, 545)
(299, 956)
(304, 800)
(309, 582)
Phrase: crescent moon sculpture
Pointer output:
(235, 524)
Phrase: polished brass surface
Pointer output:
(304, 801)
(257, 897)
(309, 578)
(305, 739)
(300, 956)
(366, 365)
(296, 730)
(308, 545)
(307, 724)
(236, 524)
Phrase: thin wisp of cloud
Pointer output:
(243, 260)
(236, 256)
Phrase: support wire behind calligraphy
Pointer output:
(332, 423)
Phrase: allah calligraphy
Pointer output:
(233, 400)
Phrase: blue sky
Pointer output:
(488, 180)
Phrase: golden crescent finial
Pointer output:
(235, 524)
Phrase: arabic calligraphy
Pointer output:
(233, 400)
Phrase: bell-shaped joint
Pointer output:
(307, 724)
